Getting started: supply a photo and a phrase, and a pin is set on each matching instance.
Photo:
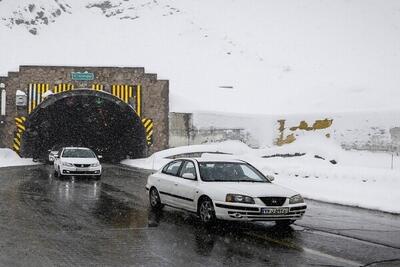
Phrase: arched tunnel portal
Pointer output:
(88, 118)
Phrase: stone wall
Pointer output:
(183, 132)
(155, 94)
(372, 131)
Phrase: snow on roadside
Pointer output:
(359, 178)
(9, 158)
(157, 160)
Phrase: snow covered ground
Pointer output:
(9, 158)
(359, 178)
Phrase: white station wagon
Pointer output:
(223, 189)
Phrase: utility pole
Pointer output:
(391, 165)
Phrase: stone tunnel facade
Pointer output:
(143, 91)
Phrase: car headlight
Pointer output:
(68, 164)
(296, 199)
(95, 164)
(239, 199)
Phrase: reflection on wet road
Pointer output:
(48, 221)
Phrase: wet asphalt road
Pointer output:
(45, 221)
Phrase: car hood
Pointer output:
(80, 160)
(254, 189)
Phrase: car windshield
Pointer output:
(78, 153)
(230, 172)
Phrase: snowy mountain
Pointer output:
(32, 15)
(266, 57)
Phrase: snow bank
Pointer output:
(10, 158)
(318, 169)
(157, 160)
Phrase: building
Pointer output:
(119, 110)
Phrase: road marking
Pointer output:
(307, 250)
(322, 254)
(344, 236)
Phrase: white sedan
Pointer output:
(52, 153)
(77, 161)
(223, 189)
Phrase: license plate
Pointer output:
(81, 169)
(274, 210)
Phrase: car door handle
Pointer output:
(176, 184)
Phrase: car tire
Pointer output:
(97, 177)
(155, 200)
(59, 173)
(283, 223)
(206, 211)
(55, 173)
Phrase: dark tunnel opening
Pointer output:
(88, 118)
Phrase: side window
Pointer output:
(188, 167)
(172, 168)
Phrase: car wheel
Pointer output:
(206, 211)
(284, 222)
(97, 177)
(59, 173)
(155, 200)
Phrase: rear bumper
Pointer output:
(253, 213)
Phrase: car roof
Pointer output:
(213, 160)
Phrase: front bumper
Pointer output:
(240, 212)
(80, 171)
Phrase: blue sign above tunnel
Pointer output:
(82, 76)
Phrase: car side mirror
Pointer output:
(48, 150)
(100, 156)
(56, 156)
(188, 175)
(270, 177)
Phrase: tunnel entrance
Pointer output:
(84, 117)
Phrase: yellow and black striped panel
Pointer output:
(148, 125)
(97, 87)
(62, 87)
(35, 93)
(123, 92)
(138, 103)
(127, 92)
(20, 129)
